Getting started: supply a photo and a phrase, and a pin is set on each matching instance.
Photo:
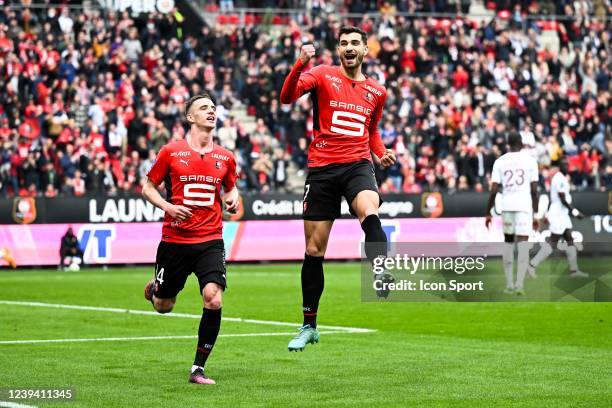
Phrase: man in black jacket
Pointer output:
(70, 248)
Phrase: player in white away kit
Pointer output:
(560, 223)
(517, 173)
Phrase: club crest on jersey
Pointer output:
(369, 96)
(217, 164)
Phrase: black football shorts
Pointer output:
(175, 262)
(326, 185)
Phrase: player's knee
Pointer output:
(366, 211)
(163, 307)
(212, 302)
(366, 203)
(212, 296)
(315, 250)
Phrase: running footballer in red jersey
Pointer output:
(195, 182)
(194, 171)
(347, 108)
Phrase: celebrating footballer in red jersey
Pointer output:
(195, 182)
(346, 113)
(347, 109)
(193, 171)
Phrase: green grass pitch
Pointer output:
(420, 354)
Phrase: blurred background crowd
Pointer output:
(87, 98)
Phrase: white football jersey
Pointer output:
(515, 171)
(559, 184)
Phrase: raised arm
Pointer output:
(297, 84)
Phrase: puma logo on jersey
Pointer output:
(333, 78)
(185, 162)
(335, 85)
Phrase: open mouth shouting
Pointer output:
(350, 57)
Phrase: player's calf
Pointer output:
(375, 237)
(313, 283)
(375, 247)
(208, 331)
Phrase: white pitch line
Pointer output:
(154, 338)
(7, 404)
(184, 315)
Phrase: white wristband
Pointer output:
(575, 212)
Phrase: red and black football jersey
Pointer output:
(345, 112)
(194, 181)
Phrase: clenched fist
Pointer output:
(388, 158)
(306, 53)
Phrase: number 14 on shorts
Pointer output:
(159, 277)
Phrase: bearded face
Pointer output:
(351, 50)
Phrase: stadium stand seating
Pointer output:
(88, 98)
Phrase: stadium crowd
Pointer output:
(88, 98)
